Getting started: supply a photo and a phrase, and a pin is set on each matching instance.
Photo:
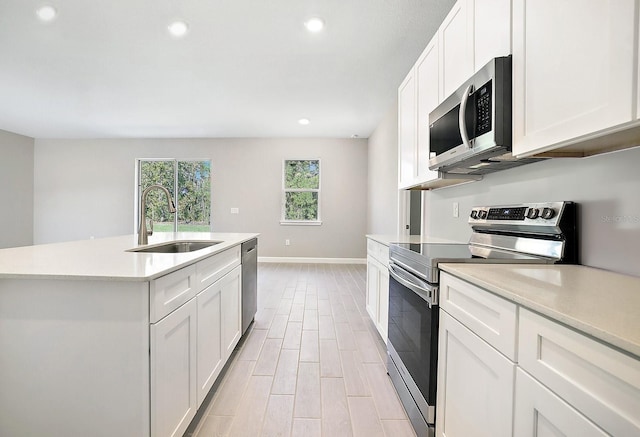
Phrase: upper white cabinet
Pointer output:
(456, 47)
(428, 96)
(573, 71)
(407, 131)
(474, 32)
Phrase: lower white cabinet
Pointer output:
(475, 384)
(231, 325)
(173, 371)
(218, 328)
(377, 294)
(539, 412)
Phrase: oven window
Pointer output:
(413, 332)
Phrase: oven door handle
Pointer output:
(427, 292)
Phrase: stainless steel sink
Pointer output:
(176, 247)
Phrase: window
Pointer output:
(301, 192)
(189, 183)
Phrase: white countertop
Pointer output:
(387, 239)
(107, 258)
(600, 303)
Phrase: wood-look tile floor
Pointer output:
(312, 364)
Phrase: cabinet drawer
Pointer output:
(599, 381)
(491, 317)
(170, 291)
(211, 269)
(378, 251)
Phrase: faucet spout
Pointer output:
(143, 233)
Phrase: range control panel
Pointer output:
(534, 213)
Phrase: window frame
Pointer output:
(285, 190)
(174, 195)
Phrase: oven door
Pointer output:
(413, 345)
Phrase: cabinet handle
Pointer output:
(462, 122)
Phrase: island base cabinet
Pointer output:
(173, 372)
(475, 385)
(540, 413)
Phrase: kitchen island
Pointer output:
(98, 340)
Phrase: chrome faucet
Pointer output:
(143, 233)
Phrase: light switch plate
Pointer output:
(235, 210)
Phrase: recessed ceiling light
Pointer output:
(314, 24)
(178, 28)
(46, 13)
(304, 121)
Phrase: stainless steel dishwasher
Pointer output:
(249, 282)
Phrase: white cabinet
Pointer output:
(540, 413)
(191, 343)
(231, 324)
(173, 372)
(475, 381)
(597, 380)
(474, 32)
(427, 97)
(377, 294)
(566, 383)
(218, 328)
(456, 47)
(573, 70)
(407, 131)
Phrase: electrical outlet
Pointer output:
(456, 209)
(287, 242)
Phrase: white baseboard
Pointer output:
(302, 260)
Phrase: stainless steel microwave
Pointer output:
(470, 131)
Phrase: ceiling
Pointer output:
(246, 68)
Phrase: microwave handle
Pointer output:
(462, 122)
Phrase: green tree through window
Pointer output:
(189, 182)
(301, 191)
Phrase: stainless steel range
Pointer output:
(522, 233)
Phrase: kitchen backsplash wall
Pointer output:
(85, 188)
(607, 188)
(16, 180)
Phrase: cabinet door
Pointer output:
(539, 412)
(492, 30)
(372, 288)
(456, 47)
(475, 385)
(407, 131)
(428, 97)
(210, 354)
(173, 372)
(383, 304)
(231, 302)
(573, 66)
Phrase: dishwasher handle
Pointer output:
(424, 290)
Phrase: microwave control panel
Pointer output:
(483, 109)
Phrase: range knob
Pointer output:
(474, 214)
(533, 213)
(482, 214)
(548, 213)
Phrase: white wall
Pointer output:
(85, 188)
(382, 188)
(16, 180)
(607, 188)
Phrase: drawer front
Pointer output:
(601, 382)
(378, 251)
(491, 317)
(211, 269)
(168, 292)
